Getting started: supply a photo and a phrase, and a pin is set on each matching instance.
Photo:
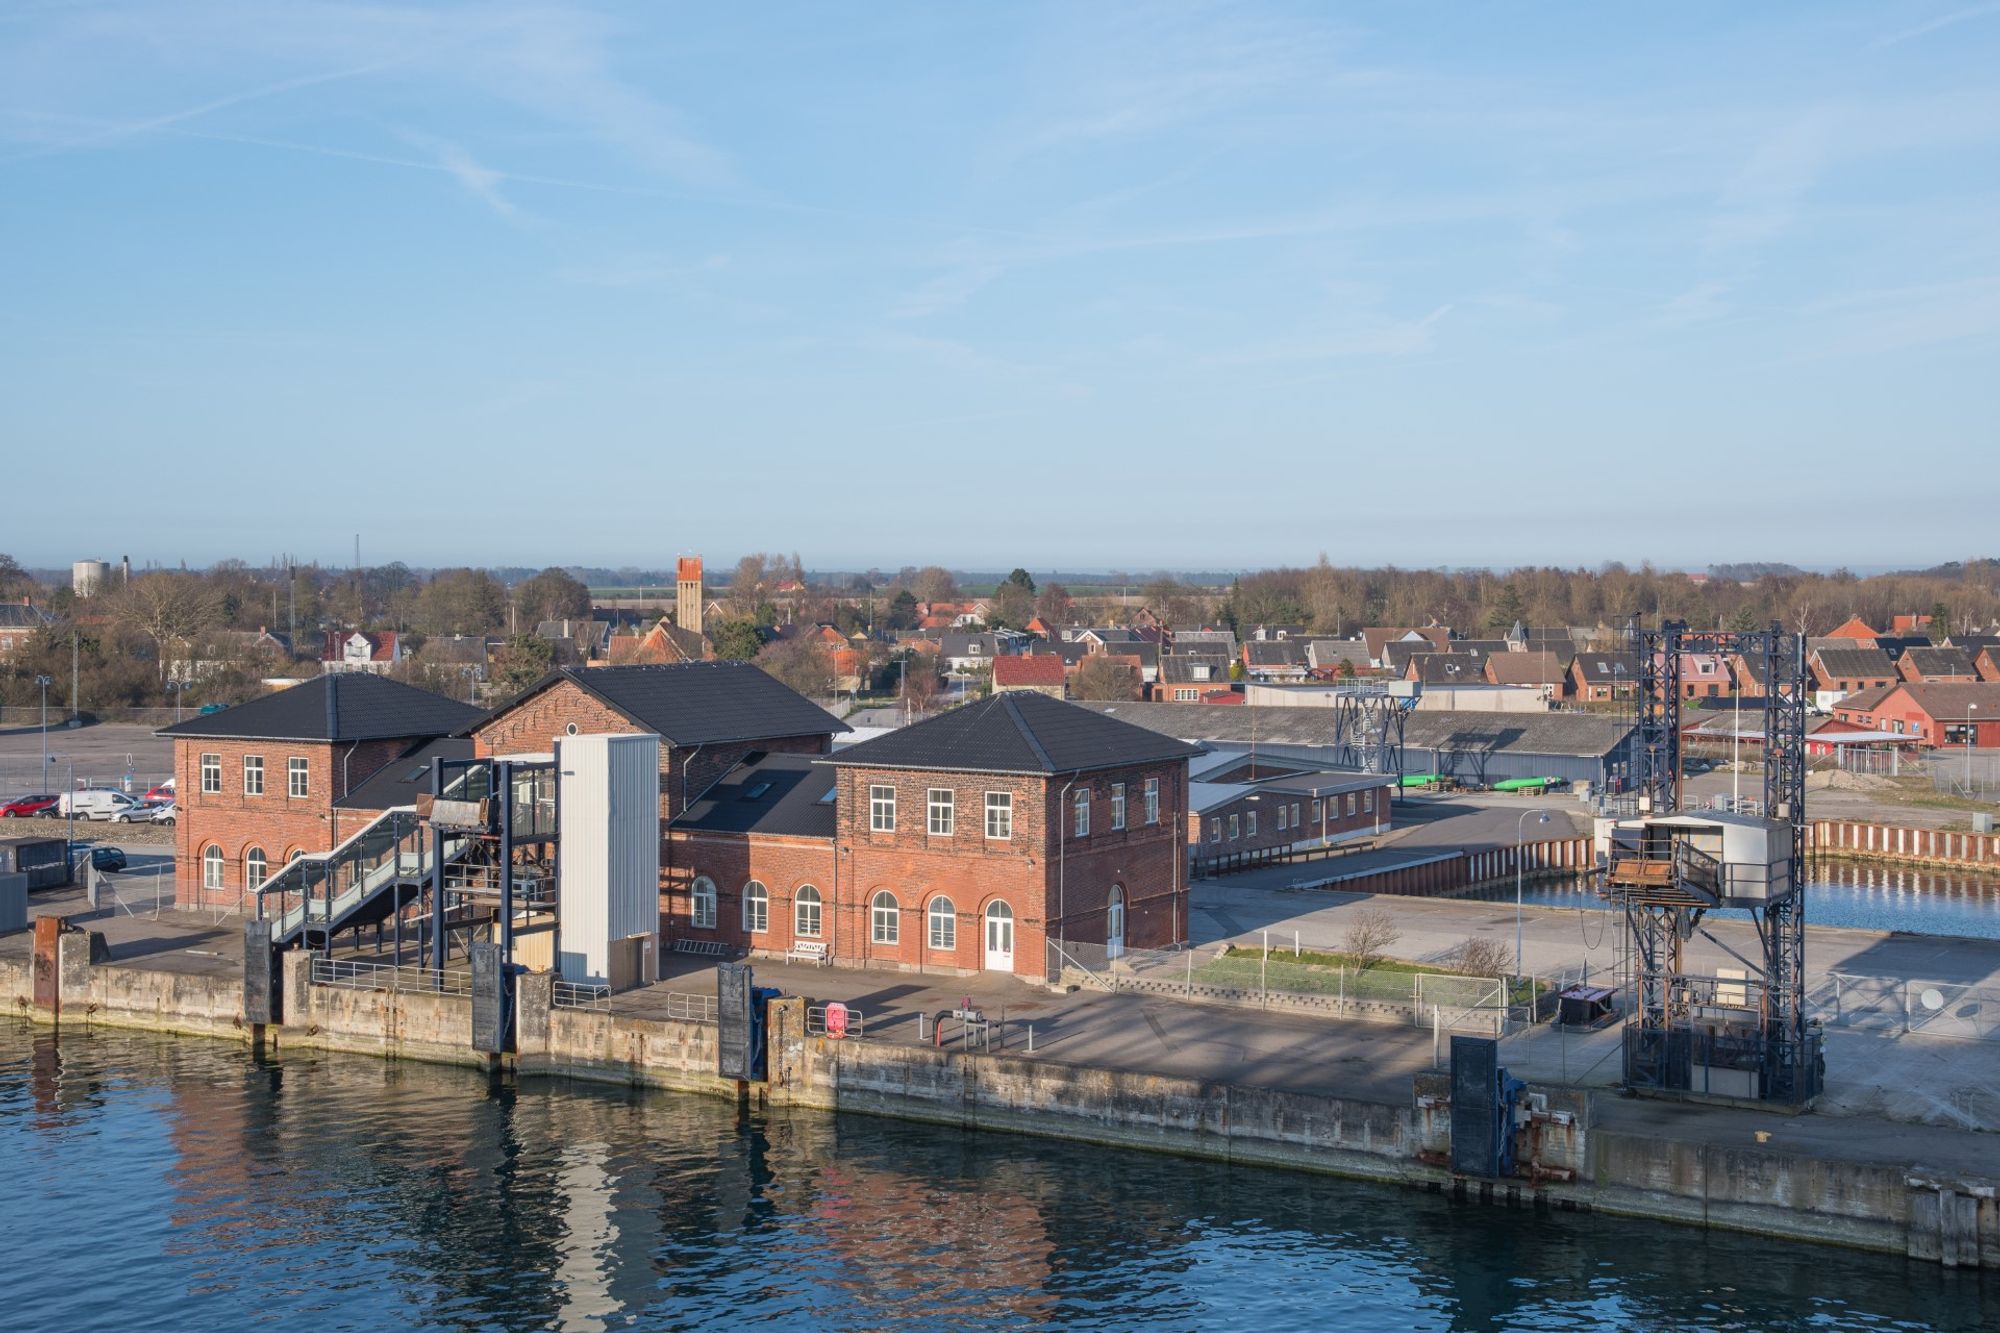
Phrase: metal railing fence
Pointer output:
(1292, 977)
(357, 974)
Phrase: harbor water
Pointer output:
(153, 1183)
(1864, 895)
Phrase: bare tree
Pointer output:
(169, 609)
(934, 583)
(1368, 935)
(1480, 956)
(1104, 680)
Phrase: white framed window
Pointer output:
(1295, 814)
(253, 775)
(1117, 806)
(255, 867)
(298, 782)
(1250, 823)
(1281, 819)
(1081, 823)
(1152, 800)
(943, 919)
(1185, 696)
(805, 913)
(1234, 825)
(881, 809)
(211, 867)
(1000, 815)
(1368, 801)
(211, 774)
(1350, 803)
(756, 908)
(703, 894)
(1215, 829)
(941, 811)
(885, 919)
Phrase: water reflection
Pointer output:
(353, 1193)
(1844, 893)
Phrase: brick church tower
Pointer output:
(688, 598)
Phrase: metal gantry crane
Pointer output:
(1736, 1036)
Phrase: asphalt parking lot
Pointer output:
(106, 754)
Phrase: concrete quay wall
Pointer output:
(1568, 1160)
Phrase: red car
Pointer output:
(24, 807)
(160, 795)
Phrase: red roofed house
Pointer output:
(1857, 629)
(1934, 714)
(361, 650)
(1905, 627)
(1042, 673)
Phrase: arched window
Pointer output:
(884, 918)
(756, 908)
(805, 913)
(944, 923)
(211, 868)
(1114, 922)
(255, 868)
(704, 903)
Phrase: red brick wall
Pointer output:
(275, 821)
(536, 724)
(782, 865)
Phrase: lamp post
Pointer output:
(178, 688)
(43, 681)
(1520, 835)
(1973, 729)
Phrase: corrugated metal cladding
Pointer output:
(609, 834)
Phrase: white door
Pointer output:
(999, 938)
(1114, 923)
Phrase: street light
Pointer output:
(178, 687)
(1520, 834)
(43, 681)
(1973, 729)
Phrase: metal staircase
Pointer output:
(366, 879)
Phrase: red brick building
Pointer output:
(959, 844)
(708, 715)
(1600, 678)
(262, 782)
(1041, 673)
(1932, 714)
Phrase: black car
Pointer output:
(107, 858)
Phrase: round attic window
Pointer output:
(570, 729)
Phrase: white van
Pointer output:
(97, 803)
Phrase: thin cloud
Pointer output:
(1941, 21)
(107, 133)
(483, 183)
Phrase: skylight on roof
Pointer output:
(755, 792)
(828, 798)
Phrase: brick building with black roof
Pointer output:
(959, 844)
(262, 782)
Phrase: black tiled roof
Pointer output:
(699, 703)
(344, 706)
(1855, 664)
(777, 793)
(407, 776)
(1927, 662)
(1608, 668)
(1016, 733)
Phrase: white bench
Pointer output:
(807, 951)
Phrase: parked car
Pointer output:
(163, 814)
(207, 709)
(141, 812)
(26, 807)
(107, 858)
(99, 803)
(162, 794)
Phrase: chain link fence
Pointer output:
(1892, 1005)
(1298, 979)
(1974, 774)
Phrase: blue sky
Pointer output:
(1089, 285)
